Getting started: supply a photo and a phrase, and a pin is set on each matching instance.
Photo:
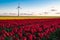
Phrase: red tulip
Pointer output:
(47, 32)
(41, 35)
(33, 30)
(7, 25)
(40, 29)
(16, 38)
(1, 38)
(34, 36)
(20, 35)
(11, 33)
(24, 38)
(15, 29)
(52, 29)
(30, 37)
(20, 30)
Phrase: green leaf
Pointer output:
(43, 38)
(8, 29)
(16, 35)
(55, 35)
(0, 29)
(8, 38)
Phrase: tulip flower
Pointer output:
(30, 29)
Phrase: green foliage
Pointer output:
(16, 35)
(55, 35)
(43, 38)
(0, 29)
(8, 29)
(8, 38)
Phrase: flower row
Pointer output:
(27, 29)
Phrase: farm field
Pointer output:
(30, 29)
(27, 17)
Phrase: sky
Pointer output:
(10, 6)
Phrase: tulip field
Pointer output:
(29, 29)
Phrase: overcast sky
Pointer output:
(10, 6)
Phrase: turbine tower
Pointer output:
(19, 8)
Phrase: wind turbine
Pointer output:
(19, 8)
